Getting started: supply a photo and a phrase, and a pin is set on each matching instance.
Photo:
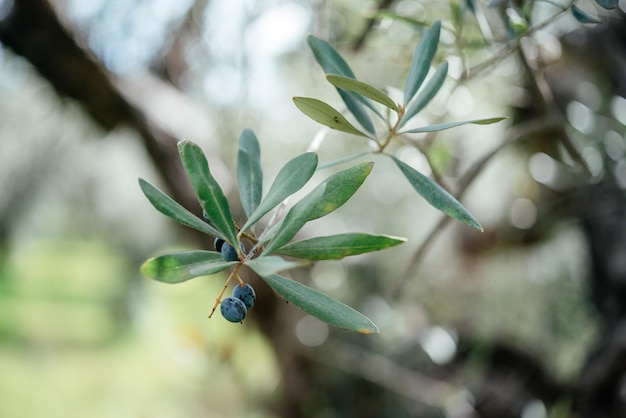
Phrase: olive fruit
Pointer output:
(233, 309)
(228, 252)
(218, 244)
(246, 294)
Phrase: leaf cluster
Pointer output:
(266, 255)
(364, 102)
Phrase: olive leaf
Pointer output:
(436, 195)
(291, 178)
(335, 247)
(325, 114)
(249, 172)
(184, 265)
(320, 305)
(169, 207)
(208, 190)
(422, 59)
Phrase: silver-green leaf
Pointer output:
(291, 178)
(422, 59)
(169, 207)
(436, 195)
(361, 88)
(208, 191)
(249, 172)
(321, 306)
(325, 114)
(184, 265)
(448, 125)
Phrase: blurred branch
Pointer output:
(516, 133)
(33, 30)
(513, 45)
(359, 42)
(388, 374)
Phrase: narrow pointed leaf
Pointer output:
(608, 4)
(184, 265)
(436, 195)
(423, 57)
(328, 58)
(321, 306)
(336, 247)
(169, 207)
(343, 160)
(582, 16)
(325, 198)
(354, 106)
(332, 63)
(295, 219)
(361, 88)
(208, 191)
(338, 188)
(265, 266)
(291, 178)
(325, 114)
(448, 125)
(249, 172)
(427, 94)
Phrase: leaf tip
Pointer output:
(369, 331)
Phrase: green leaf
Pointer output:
(608, 4)
(268, 265)
(249, 172)
(182, 266)
(319, 305)
(423, 57)
(352, 103)
(343, 160)
(328, 58)
(426, 95)
(336, 247)
(295, 219)
(332, 63)
(291, 178)
(436, 195)
(338, 188)
(582, 16)
(169, 207)
(448, 125)
(325, 198)
(325, 114)
(361, 88)
(208, 191)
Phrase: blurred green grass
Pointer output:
(82, 334)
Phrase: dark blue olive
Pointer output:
(229, 253)
(233, 309)
(246, 294)
(218, 244)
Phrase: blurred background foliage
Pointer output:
(87, 111)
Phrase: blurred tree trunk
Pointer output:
(32, 29)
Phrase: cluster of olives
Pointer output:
(234, 308)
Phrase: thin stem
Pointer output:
(393, 130)
(514, 44)
(218, 300)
